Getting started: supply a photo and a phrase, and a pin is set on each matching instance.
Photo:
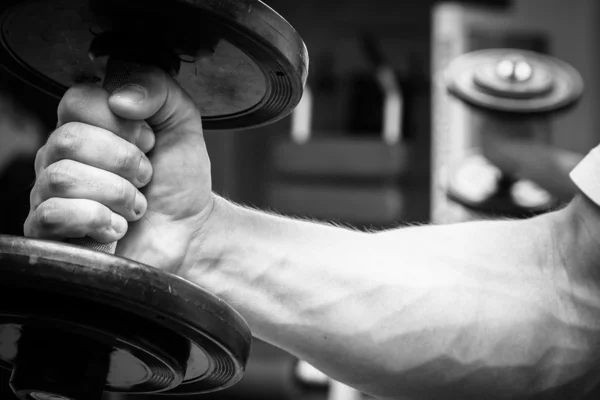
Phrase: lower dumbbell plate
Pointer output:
(150, 317)
(145, 362)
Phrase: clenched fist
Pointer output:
(132, 162)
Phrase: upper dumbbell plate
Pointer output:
(244, 65)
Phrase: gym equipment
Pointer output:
(339, 177)
(336, 156)
(341, 158)
(242, 62)
(353, 204)
(514, 81)
(75, 322)
(480, 186)
(74, 319)
(271, 375)
(501, 84)
(350, 180)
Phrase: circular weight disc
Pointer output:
(254, 73)
(554, 84)
(140, 361)
(491, 78)
(481, 187)
(219, 338)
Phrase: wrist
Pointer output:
(208, 244)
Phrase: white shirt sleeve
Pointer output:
(586, 175)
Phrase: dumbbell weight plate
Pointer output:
(514, 81)
(151, 320)
(482, 188)
(242, 63)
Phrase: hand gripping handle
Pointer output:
(118, 72)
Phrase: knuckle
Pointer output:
(127, 160)
(58, 176)
(123, 192)
(75, 99)
(100, 218)
(67, 139)
(49, 215)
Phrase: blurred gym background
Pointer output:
(358, 150)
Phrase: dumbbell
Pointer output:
(512, 92)
(76, 320)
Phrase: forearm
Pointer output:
(459, 310)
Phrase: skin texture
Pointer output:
(490, 309)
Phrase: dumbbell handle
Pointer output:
(118, 72)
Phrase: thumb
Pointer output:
(149, 93)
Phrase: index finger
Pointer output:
(88, 104)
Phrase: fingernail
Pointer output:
(140, 204)
(130, 94)
(118, 223)
(144, 171)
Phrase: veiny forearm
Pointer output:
(474, 310)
